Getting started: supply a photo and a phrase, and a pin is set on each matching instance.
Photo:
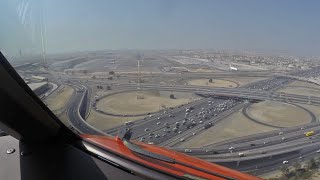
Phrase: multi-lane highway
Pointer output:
(173, 126)
(74, 112)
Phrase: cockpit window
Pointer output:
(233, 83)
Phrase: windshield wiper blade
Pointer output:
(125, 136)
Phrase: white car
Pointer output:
(231, 148)
(283, 138)
(280, 133)
(182, 139)
(285, 162)
(146, 129)
(318, 151)
(241, 154)
(158, 123)
(188, 150)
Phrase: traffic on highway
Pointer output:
(162, 84)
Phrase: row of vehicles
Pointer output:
(307, 134)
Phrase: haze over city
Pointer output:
(233, 83)
(289, 27)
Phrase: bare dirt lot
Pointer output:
(150, 101)
(214, 83)
(314, 109)
(307, 91)
(59, 99)
(278, 114)
(103, 122)
(64, 118)
(302, 88)
(236, 125)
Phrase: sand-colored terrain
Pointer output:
(278, 114)
(306, 91)
(314, 109)
(235, 125)
(214, 83)
(59, 99)
(102, 122)
(64, 118)
(148, 101)
(302, 88)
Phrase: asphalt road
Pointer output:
(75, 118)
(286, 149)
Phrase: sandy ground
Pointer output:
(64, 118)
(301, 91)
(275, 174)
(59, 99)
(235, 125)
(309, 89)
(214, 83)
(278, 173)
(314, 109)
(279, 114)
(153, 101)
(315, 176)
(103, 122)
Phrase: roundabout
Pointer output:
(278, 114)
(135, 103)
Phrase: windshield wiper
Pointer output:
(125, 136)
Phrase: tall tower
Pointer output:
(139, 92)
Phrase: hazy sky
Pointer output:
(77, 25)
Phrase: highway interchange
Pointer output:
(171, 127)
